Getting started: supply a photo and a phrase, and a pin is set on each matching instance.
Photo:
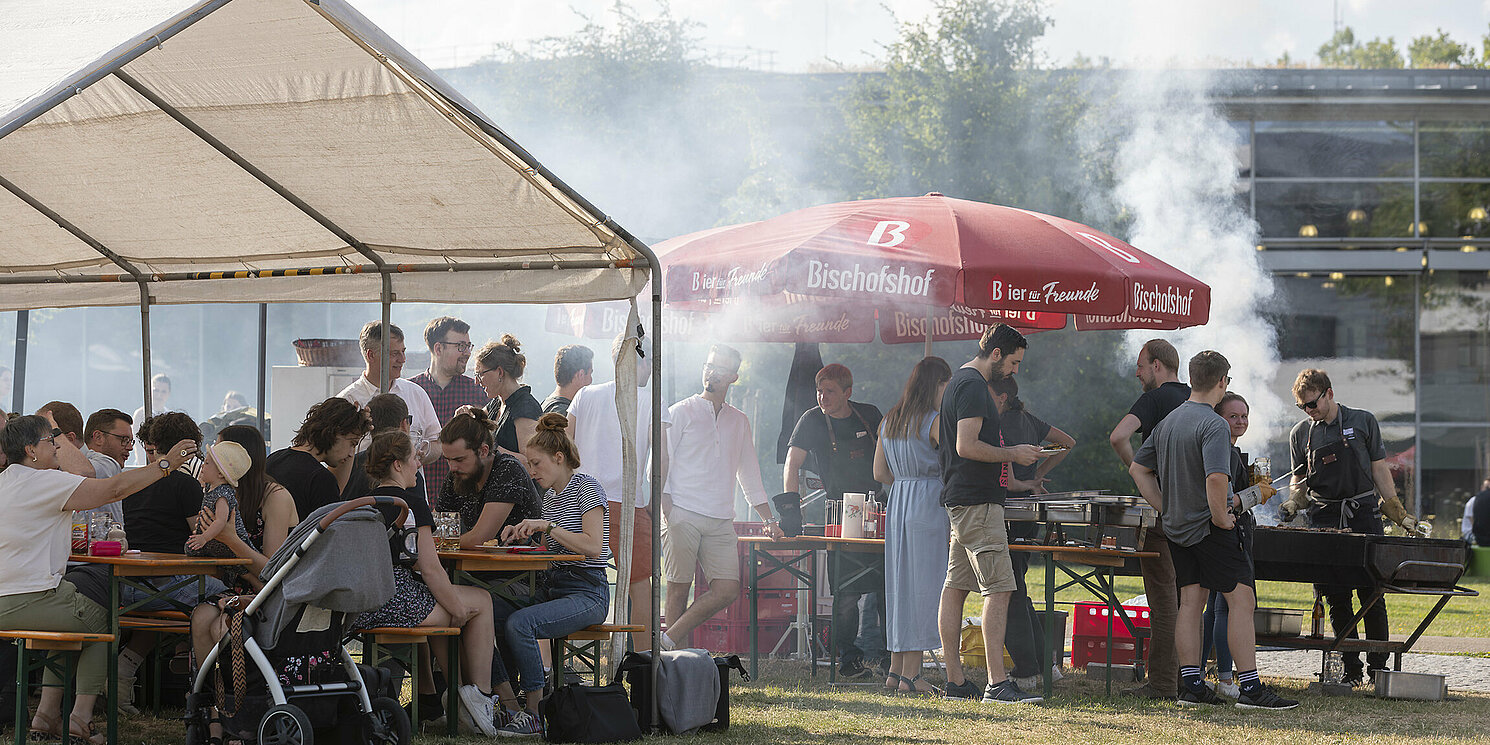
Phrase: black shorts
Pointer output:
(1218, 562)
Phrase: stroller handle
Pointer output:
(352, 504)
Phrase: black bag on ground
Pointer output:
(579, 713)
(637, 667)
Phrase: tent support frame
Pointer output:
(135, 275)
(284, 193)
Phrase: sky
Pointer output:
(797, 35)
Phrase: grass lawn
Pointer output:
(1464, 617)
(787, 707)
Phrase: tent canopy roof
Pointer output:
(169, 140)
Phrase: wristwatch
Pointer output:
(164, 465)
(552, 526)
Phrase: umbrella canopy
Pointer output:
(909, 254)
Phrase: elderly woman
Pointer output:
(35, 538)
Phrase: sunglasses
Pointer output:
(1310, 405)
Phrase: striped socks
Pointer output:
(1191, 678)
(1248, 681)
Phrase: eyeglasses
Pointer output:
(463, 346)
(479, 373)
(711, 367)
(49, 439)
(125, 440)
(409, 419)
(1228, 380)
(1310, 405)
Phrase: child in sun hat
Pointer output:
(222, 465)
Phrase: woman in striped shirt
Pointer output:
(576, 593)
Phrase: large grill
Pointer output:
(1337, 558)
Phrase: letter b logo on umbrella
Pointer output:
(888, 233)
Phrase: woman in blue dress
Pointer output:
(917, 532)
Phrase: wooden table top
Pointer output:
(815, 541)
(150, 564)
(495, 560)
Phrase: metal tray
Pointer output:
(1068, 512)
(1278, 621)
(1022, 510)
(1415, 686)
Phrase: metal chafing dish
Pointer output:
(1086, 518)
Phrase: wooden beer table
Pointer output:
(134, 569)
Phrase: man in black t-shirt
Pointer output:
(975, 479)
(1158, 365)
(839, 436)
(327, 439)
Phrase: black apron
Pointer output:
(837, 468)
(1344, 494)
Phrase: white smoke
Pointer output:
(1177, 177)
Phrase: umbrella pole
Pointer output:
(928, 331)
(18, 375)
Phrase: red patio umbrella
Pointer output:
(906, 258)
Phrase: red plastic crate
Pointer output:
(1086, 649)
(771, 605)
(1092, 619)
(734, 636)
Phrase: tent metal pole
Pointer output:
(18, 375)
(251, 169)
(75, 87)
(387, 299)
(263, 361)
(145, 346)
(655, 480)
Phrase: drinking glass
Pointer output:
(447, 531)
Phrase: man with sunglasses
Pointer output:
(446, 383)
(1340, 476)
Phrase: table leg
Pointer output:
(1113, 609)
(833, 567)
(113, 682)
(754, 626)
(812, 625)
(1050, 640)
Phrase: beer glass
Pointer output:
(447, 531)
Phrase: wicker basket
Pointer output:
(328, 352)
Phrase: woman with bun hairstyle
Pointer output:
(424, 595)
(499, 370)
(575, 594)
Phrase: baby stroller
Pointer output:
(282, 671)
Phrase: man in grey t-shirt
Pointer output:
(1190, 454)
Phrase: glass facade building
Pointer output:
(1371, 192)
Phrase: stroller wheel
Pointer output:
(390, 723)
(285, 724)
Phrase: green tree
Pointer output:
(1343, 50)
(1439, 51)
(964, 108)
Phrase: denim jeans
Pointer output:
(570, 600)
(1217, 613)
(92, 581)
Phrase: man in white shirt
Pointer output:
(709, 449)
(424, 427)
(595, 425)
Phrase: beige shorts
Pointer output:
(978, 559)
(690, 539)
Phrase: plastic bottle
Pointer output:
(1334, 669)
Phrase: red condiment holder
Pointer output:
(106, 548)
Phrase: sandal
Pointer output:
(895, 688)
(51, 731)
(913, 690)
(82, 733)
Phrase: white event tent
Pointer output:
(254, 151)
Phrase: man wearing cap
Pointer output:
(1340, 475)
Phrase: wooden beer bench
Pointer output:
(67, 642)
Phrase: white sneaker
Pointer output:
(667, 642)
(476, 710)
(1055, 673)
(1229, 689)
(1031, 683)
